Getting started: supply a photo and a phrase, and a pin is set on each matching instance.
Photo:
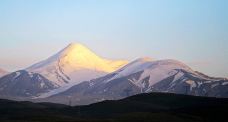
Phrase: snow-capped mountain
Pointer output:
(155, 71)
(21, 84)
(76, 73)
(2, 72)
(73, 65)
(144, 75)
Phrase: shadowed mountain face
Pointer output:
(94, 91)
(156, 76)
(21, 84)
(193, 84)
(149, 107)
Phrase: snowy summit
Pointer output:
(75, 64)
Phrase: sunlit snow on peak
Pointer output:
(75, 63)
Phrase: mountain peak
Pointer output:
(76, 45)
(74, 49)
(75, 63)
(144, 59)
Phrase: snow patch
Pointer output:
(191, 83)
(207, 81)
(199, 83)
(214, 85)
(178, 76)
(134, 67)
(30, 74)
(55, 91)
(42, 84)
(16, 75)
(224, 83)
(91, 84)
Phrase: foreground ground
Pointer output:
(152, 107)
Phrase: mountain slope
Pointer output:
(154, 70)
(75, 64)
(169, 76)
(142, 76)
(21, 84)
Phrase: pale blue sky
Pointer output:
(194, 31)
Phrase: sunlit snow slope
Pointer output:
(75, 64)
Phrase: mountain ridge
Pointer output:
(22, 85)
(142, 77)
(71, 63)
(77, 73)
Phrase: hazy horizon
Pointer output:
(194, 32)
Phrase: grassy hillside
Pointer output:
(158, 107)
